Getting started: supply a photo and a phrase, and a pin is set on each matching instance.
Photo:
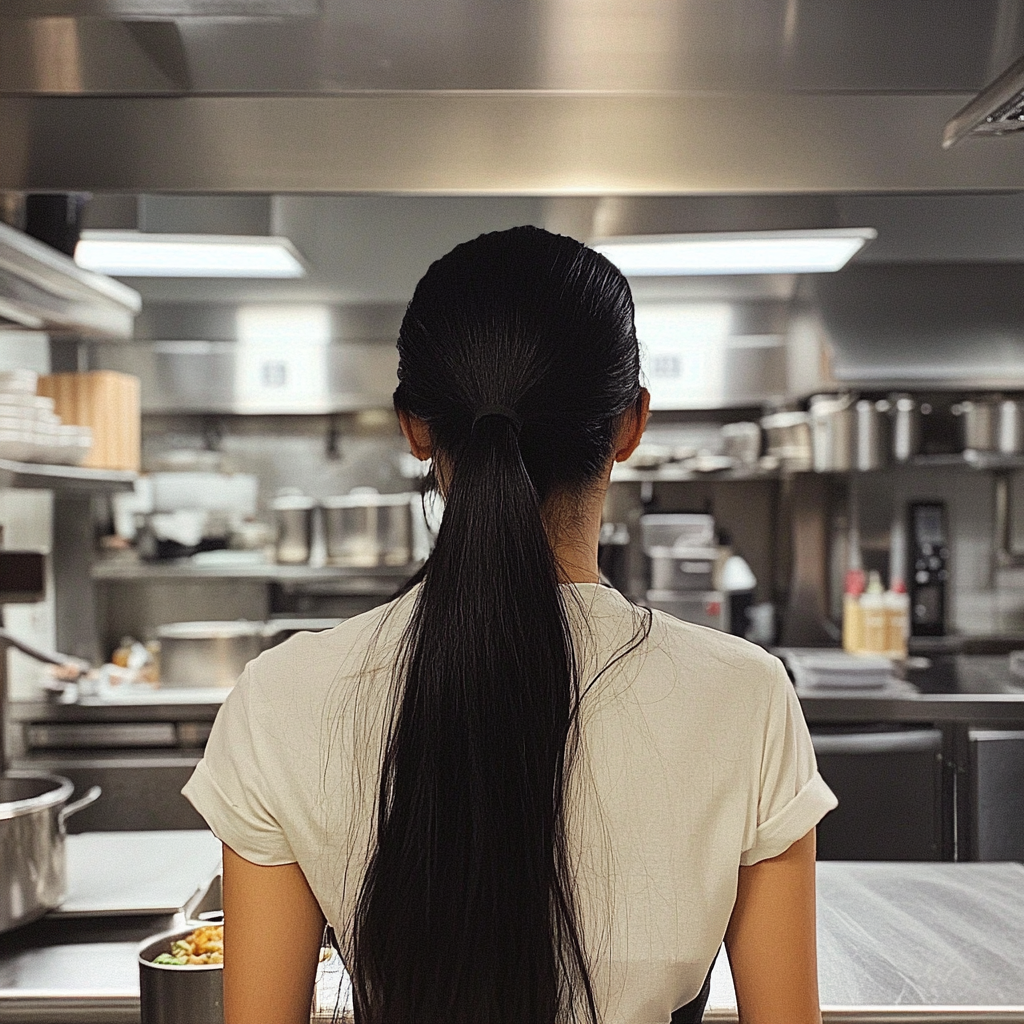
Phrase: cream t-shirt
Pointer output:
(694, 759)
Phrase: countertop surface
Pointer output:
(950, 687)
(897, 943)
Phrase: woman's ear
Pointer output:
(632, 426)
(417, 433)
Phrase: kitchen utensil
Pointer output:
(788, 439)
(366, 529)
(871, 444)
(832, 433)
(109, 404)
(172, 994)
(33, 871)
(293, 515)
(979, 418)
(213, 654)
(1010, 427)
(906, 427)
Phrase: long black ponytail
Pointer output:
(467, 912)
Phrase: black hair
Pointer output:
(467, 913)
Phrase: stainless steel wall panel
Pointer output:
(492, 143)
(222, 377)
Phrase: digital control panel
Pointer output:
(929, 568)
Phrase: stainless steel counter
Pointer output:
(941, 943)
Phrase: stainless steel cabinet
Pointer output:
(889, 785)
(997, 794)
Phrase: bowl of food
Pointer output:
(181, 978)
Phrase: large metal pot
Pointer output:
(213, 654)
(832, 426)
(33, 873)
(170, 994)
(980, 418)
(366, 529)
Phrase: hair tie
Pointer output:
(498, 410)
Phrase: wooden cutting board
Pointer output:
(108, 403)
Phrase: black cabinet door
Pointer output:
(889, 786)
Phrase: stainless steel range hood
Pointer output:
(997, 110)
(44, 290)
(528, 97)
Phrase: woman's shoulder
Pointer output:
(314, 662)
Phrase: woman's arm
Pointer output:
(272, 930)
(771, 939)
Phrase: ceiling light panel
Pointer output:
(136, 254)
(755, 252)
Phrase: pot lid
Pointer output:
(210, 630)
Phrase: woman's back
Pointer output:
(501, 833)
(693, 760)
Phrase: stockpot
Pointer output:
(213, 654)
(366, 529)
(832, 432)
(33, 872)
(980, 424)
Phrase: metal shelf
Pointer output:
(680, 474)
(41, 289)
(125, 569)
(64, 478)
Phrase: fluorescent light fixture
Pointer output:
(747, 252)
(137, 254)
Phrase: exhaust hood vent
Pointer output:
(997, 110)
(150, 10)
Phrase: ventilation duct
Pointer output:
(997, 110)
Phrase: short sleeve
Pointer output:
(227, 787)
(792, 796)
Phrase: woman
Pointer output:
(517, 798)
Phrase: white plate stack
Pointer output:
(30, 431)
(837, 670)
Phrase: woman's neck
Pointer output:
(574, 529)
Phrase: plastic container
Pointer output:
(853, 615)
(873, 608)
(897, 620)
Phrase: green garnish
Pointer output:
(167, 958)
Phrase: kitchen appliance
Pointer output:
(172, 994)
(365, 529)
(832, 427)
(681, 551)
(33, 870)
(294, 518)
(704, 607)
(929, 573)
(213, 654)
